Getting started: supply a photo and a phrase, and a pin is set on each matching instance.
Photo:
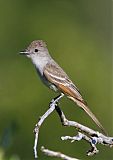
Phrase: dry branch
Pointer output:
(86, 133)
(52, 105)
(56, 154)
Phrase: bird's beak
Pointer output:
(24, 52)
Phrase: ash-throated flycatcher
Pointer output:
(54, 77)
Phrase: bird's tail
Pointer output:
(84, 106)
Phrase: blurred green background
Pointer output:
(78, 35)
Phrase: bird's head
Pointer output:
(37, 47)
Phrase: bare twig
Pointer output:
(52, 105)
(56, 154)
(88, 134)
(91, 136)
(81, 136)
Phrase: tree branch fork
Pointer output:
(89, 135)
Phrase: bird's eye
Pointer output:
(36, 50)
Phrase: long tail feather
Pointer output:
(88, 111)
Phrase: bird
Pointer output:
(54, 77)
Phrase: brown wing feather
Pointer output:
(55, 74)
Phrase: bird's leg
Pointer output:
(52, 105)
(56, 99)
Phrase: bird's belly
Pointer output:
(50, 85)
(53, 87)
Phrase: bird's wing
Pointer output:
(54, 74)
